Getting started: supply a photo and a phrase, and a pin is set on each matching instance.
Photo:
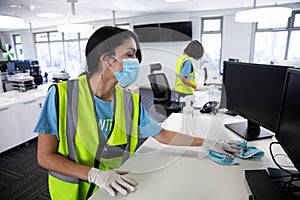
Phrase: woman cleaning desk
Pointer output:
(91, 125)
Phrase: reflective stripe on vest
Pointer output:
(180, 86)
(71, 123)
(72, 128)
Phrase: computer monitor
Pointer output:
(3, 67)
(22, 66)
(289, 127)
(11, 68)
(254, 91)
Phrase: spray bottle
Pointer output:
(187, 117)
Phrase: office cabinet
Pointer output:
(18, 114)
(10, 134)
(28, 112)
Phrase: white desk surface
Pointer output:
(171, 175)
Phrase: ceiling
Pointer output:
(93, 10)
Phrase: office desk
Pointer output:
(184, 176)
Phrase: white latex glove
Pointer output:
(204, 87)
(201, 88)
(111, 181)
(221, 147)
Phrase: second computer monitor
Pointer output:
(289, 127)
(255, 92)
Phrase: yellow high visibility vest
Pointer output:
(82, 141)
(179, 85)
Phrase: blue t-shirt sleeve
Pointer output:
(148, 126)
(47, 120)
(187, 68)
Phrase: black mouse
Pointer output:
(209, 107)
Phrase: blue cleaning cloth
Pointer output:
(221, 158)
(247, 152)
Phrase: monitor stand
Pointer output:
(249, 130)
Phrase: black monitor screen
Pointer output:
(254, 91)
(3, 67)
(176, 31)
(164, 32)
(22, 66)
(289, 124)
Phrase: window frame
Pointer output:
(15, 43)
(221, 18)
(78, 39)
(289, 28)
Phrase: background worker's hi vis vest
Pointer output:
(179, 85)
(83, 142)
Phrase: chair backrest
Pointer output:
(155, 67)
(160, 87)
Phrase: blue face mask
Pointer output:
(130, 73)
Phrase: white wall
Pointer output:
(28, 48)
(236, 39)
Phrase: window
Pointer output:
(18, 47)
(297, 20)
(293, 53)
(211, 37)
(44, 58)
(269, 46)
(276, 42)
(61, 52)
(293, 50)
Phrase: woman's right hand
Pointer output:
(111, 181)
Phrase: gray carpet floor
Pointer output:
(21, 177)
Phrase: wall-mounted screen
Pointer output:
(176, 31)
(147, 32)
(164, 32)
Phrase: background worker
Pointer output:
(91, 125)
(185, 81)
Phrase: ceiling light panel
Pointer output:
(50, 15)
(263, 14)
(11, 22)
(174, 1)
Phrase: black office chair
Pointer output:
(162, 93)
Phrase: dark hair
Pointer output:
(104, 41)
(194, 49)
